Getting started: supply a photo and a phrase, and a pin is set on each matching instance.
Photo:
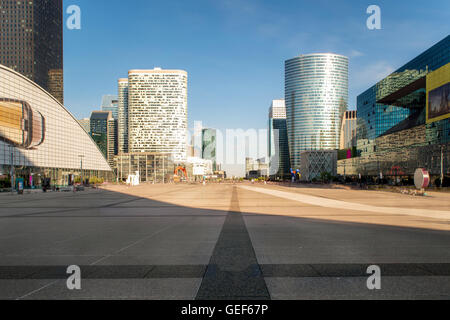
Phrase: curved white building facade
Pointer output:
(40, 137)
(316, 99)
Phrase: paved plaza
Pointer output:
(224, 241)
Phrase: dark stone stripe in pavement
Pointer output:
(354, 270)
(103, 272)
(233, 272)
(250, 271)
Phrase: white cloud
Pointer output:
(355, 53)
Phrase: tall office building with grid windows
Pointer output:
(123, 115)
(316, 99)
(157, 112)
(31, 41)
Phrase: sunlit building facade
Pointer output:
(348, 130)
(316, 95)
(123, 115)
(40, 139)
(157, 112)
(113, 143)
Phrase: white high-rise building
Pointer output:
(123, 116)
(277, 109)
(157, 112)
(348, 130)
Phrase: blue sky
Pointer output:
(234, 50)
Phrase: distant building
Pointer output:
(113, 146)
(209, 146)
(86, 124)
(123, 115)
(277, 109)
(190, 150)
(104, 133)
(316, 163)
(157, 112)
(31, 42)
(199, 167)
(278, 146)
(348, 130)
(256, 168)
(111, 103)
(99, 130)
(152, 167)
(316, 94)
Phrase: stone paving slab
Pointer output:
(169, 241)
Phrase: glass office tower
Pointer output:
(376, 118)
(111, 103)
(278, 147)
(31, 41)
(99, 129)
(103, 130)
(316, 89)
(404, 121)
(209, 146)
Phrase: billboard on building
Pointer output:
(20, 125)
(438, 94)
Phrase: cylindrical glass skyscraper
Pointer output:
(316, 99)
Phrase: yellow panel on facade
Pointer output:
(438, 94)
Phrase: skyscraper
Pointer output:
(123, 115)
(99, 130)
(111, 103)
(104, 133)
(316, 99)
(348, 130)
(278, 147)
(157, 112)
(31, 41)
(112, 149)
(209, 146)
